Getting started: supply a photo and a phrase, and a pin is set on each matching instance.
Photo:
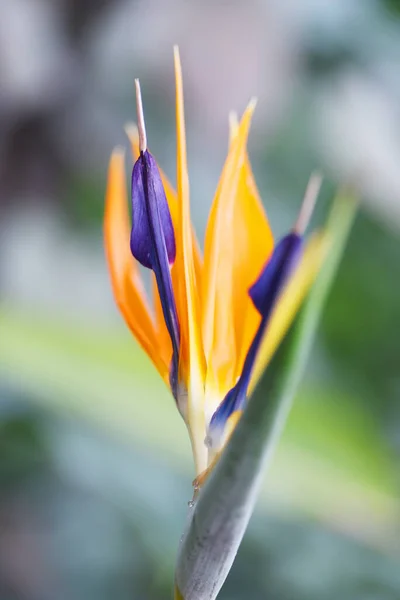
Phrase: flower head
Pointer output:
(216, 319)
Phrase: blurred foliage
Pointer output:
(22, 447)
(362, 318)
(87, 215)
(393, 6)
(107, 535)
(99, 376)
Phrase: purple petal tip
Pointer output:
(152, 230)
(285, 256)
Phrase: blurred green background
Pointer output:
(95, 463)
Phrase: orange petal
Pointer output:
(254, 243)
(163, 337)
(192, 365)
(188, 299)
(125, 276)
(220, 284)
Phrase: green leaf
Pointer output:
(219, 517)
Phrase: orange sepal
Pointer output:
(220, 281)
(254, 243)
(125, 276)
(185, 270)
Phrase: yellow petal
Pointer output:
(254, 243)
(125, 276)
(290, 301)
(219, 283)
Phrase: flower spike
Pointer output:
(152, 234)
(215, 323)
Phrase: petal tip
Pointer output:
(132, 131)
(177, 62)
(233, 120)
(267, 287)
(310, 198)
(118, 152)
(140, 118)
(252, 104)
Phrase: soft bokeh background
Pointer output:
(95, 466)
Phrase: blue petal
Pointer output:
(151, 220)
(264, 294)
(153, 242)
(267, 287)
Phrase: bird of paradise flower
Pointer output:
(218, 318)
(217, 322)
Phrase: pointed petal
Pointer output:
(254, 243)
(125, 277)
(189, 297)
(163, 337)
(290, 301)
(116, 219)
(152, 231)
(219, 285)
(192, 358)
